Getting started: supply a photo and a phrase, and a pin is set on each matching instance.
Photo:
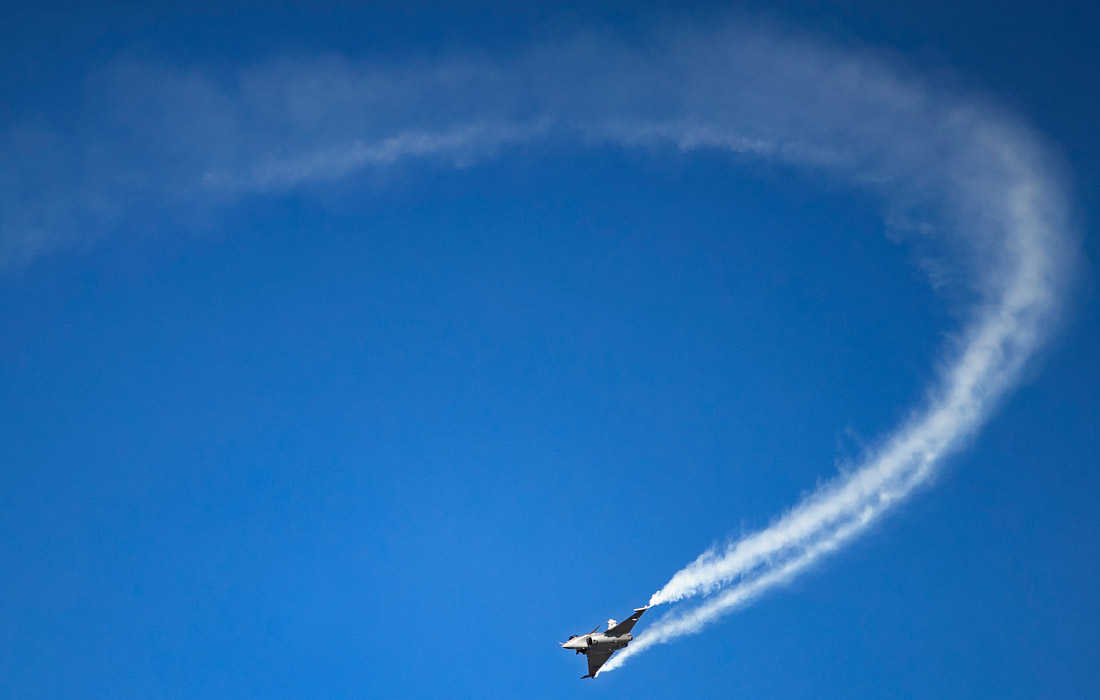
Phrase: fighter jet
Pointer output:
(599, 647)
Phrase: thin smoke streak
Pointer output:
(694, 620)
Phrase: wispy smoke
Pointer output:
(951, 164)
(993, 189)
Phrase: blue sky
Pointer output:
(370, 352)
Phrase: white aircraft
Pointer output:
(599, 646)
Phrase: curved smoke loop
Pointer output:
(983, 180)
(991, 187)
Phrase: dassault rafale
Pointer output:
(599, 646)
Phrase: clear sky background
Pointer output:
(399, 433)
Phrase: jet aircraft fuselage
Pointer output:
(597, 642)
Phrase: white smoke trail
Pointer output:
(1023, 208)
(173, 139)
(839, 512)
